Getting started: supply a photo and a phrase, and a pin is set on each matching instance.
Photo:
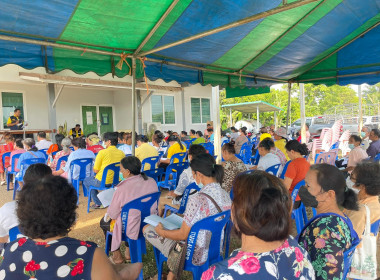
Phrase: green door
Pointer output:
(11, 101)
(106, 119)
(90, 119)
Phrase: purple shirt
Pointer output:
(373, 149)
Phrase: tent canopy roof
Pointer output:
(251, 107)
(240, 43)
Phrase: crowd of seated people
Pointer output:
(260, 209)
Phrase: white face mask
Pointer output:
(239, 133)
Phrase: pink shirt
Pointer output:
(356, 155)
(15, 152)
(128, 190)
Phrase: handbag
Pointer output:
(177, 254)
(364, 263)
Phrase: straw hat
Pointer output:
(281, 132)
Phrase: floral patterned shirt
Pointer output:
(65, 258)
(325, 239)
(289, 261)
(199, 207)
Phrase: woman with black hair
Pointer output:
(330, 233)
(199, 138)
(208, 176)
(260, 214)
(134, 185)
(57, 146)
(232, 166)
(267, 159)
(298, 167)
(241, 139)
(175, 147)
(144, 150)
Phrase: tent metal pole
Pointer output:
(158, 24)
(338, 49)
(282, 36)
(217, 125)
(303, 116)
(288, 111)
(339, 76)
(133, 105)
(238, 23)
(360, 109)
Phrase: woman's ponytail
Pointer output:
(218, 173)
(350, 201)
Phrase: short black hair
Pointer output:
(19, 143)
(200, 133)
(133, 164)
(192, 131)
(294, 145)
(42, 134)
(233, 128)
(356, 138)
(17, 109)
(184, 132)
(210, 130)
(120, 135)
(77, 125)
(229, 148)
(376, 132)
(267, 144)
(111, 136)
(35, 172)
(79, 142)
(262, 211)
(367, 173)
(56, 211)
(142, 138)
(196, 149)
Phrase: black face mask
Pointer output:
(307, 198)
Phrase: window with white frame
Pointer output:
(200, 110)
(163, 110)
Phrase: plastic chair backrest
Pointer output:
(246, 152)
(209, 147)
(178, 167)
(188, 143)
(14, 163)
(160, 154)
(113, 167)
(152, 161)
(155, 173)
(185, 196)
(328, 157)
(4, 156)
(28, 162)
(273, 169)
(181, 157)
(82, 163)
(44, 151)
(239, 157)
(59, 162)
(377, 157)
(214, 224)
(143, 204)
(255, 159)
(225, 142)
(13, 232)
(282, 176)
(72, 148)
(296, 189)
(54, 153)
(375, 227)
(335, 146)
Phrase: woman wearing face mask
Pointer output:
(357, 154)
(208, 176)
(134, 185)
(330, 233)
(366, 179)
(242, 138)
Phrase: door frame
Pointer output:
(23, 92)
(97, 114)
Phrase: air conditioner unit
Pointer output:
(151, 127)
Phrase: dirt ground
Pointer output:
(87, 228)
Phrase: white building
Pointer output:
(101, 107)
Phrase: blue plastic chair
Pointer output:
(152, 161)
(161, 154)
(13, 232)
(225, 142)
(209, 147)
(24, 166)
(13, 170)
(54, 153)
(282, 176)
(136, 247)
(82, 165)
(246, 153)
(375, 227)
(175, 171)
(59, 162)
(156, 174)
(72, 148)
(185, 197)
(180, 156)
(335, 146)
(273, 169)
(44, 151)
(215, 224)
(115, 168)
(3, 157)
(187, 143)
(297, 214)
(377, 157)
(255, 159)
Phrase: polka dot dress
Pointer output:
(65, 258)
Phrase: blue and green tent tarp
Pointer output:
(239, 43)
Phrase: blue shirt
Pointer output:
(28, 155)
(78, 154)
(212, 137)
(373, 149)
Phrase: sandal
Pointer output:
(113, 262)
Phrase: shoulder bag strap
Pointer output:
(213, 201)
(367, 230)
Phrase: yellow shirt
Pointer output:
(106, 157)
(144, 151)
(280, 144)
(175, 149)
(265, 135)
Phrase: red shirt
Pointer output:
(95, 148)
(296, 171)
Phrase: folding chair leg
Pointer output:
(108, 243)
(15, 188)
(88, 201)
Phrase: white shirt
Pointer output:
(8, 218)
(234, 135)
(126, 149)
(43, 144)
(267, 161)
